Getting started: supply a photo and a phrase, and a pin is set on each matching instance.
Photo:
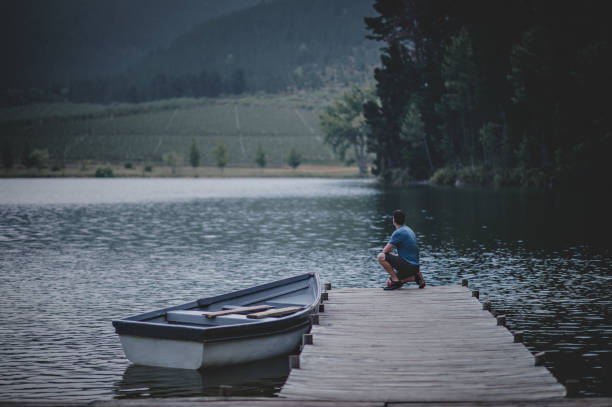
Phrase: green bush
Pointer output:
(444, 176)
(104, 172)
(260, 157)
(505, 177)
(148, 168)
(194, 154)
(221, 155)
(533, 177)
(474, 176)
(128, 166)
(38, 158)
(294, 159)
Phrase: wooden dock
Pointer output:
(411, 345)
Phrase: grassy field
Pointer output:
(139, 133)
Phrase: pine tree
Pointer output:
(221, 156)
(26, 155)
(260, 157)
(194, 154)
(7, 155)
(294, 159)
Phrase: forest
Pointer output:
(491, 92)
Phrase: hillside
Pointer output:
(275, 46)
(145, 132)
(56, 43)
(142, 51)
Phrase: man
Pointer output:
(404, 266)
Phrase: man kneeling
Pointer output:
(404, 266)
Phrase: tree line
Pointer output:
(40, 158)
(491, 92)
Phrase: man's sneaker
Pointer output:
(420, 280)
(393, 286)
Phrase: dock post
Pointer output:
(518, 336)
(307, 339)
(476, 294)
(540, 358)
(571, 387)
(501, 320)
(324, 296)
(464, 282)
(315, 319)
(321, 308)
(225, 390)
(294, 361)
(486, 306)
(327, 286)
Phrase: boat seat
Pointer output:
(196, 318)
(271, 303)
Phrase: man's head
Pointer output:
(398, 217)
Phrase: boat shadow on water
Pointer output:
(262, 378)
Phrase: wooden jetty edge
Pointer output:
(409, 345)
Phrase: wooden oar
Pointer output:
(274, 312)
(238, 310)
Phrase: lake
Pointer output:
(77, 253)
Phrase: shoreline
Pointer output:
(138, 171)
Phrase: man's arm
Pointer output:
(388, 248)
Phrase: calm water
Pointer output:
(74, 254)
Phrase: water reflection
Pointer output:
(254, 379)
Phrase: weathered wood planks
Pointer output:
(412, 345)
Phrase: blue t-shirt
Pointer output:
(405, 242)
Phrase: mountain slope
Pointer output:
(290, 43)
(61, 41)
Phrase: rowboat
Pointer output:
(256, 323)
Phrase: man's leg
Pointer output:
(387, 266)
(405, 271)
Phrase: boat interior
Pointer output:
(242, 307)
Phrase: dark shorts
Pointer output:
(403, 269)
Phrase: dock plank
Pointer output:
(411, 345)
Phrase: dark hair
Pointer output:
(399, 217)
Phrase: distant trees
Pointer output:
(260, 157)
(26, 155)
(38, 157)
(221, 156)
(237, 83)
(344, 125)
(194, 154)
(104, 172)
(7, 154)
(33, 157)
(294, 159)
(173, 160)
